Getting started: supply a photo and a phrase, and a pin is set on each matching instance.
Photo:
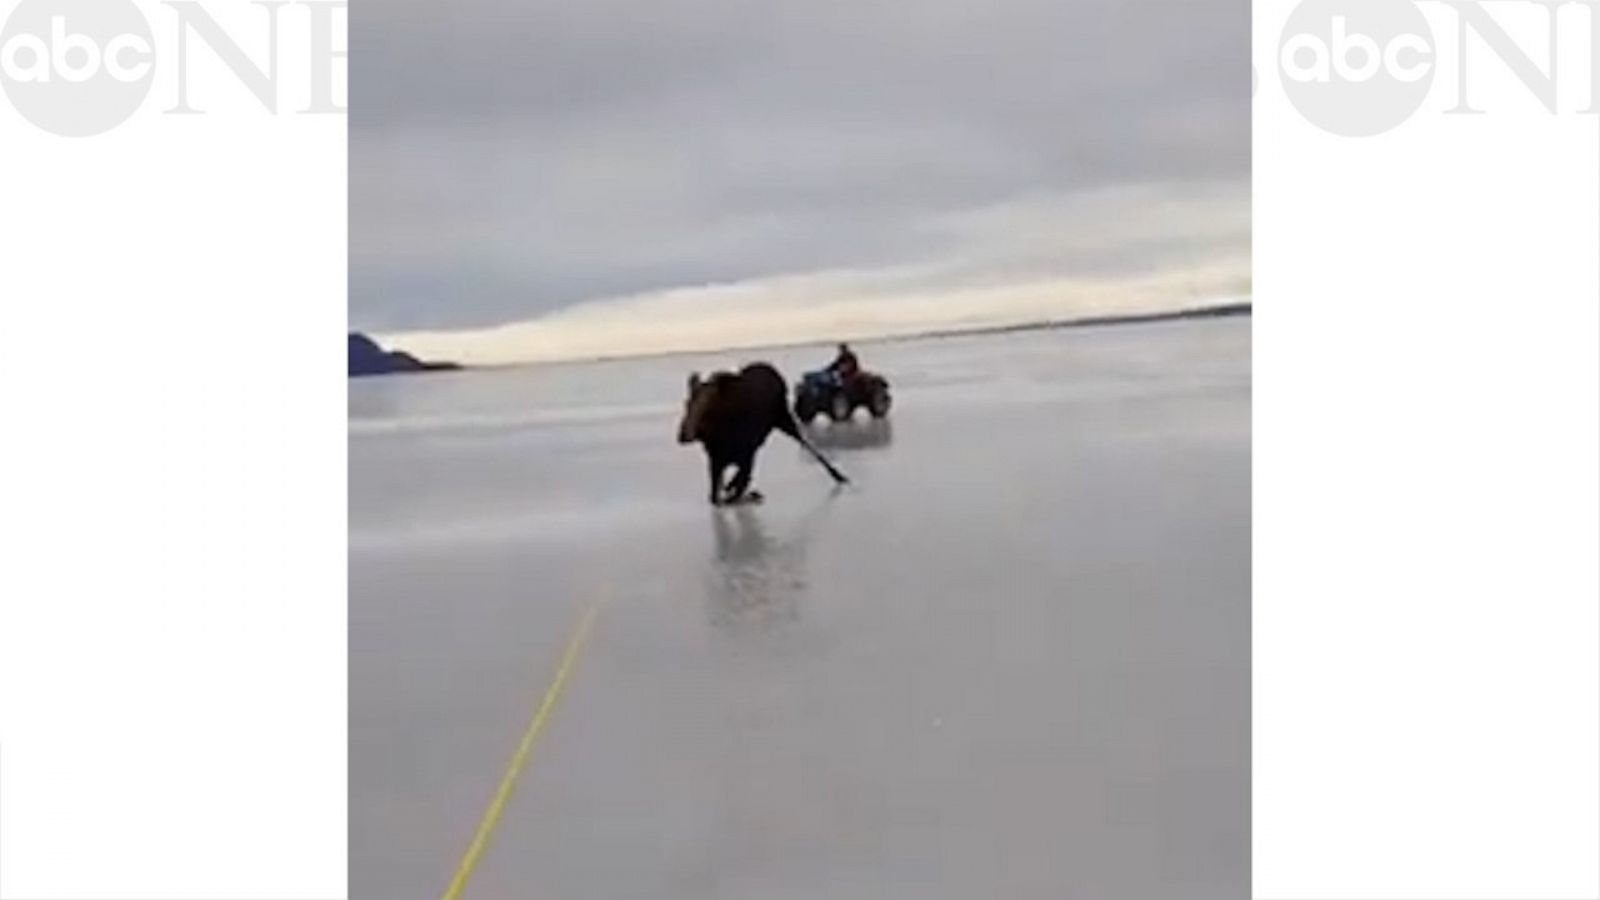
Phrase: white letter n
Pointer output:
(261, 81)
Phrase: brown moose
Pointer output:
(731, 415)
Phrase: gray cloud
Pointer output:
(513, 158)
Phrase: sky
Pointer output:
(541, 180)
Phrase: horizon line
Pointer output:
(1204, 311)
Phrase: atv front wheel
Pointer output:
(805, 409)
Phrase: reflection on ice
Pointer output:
(868, 435)
(755, 578)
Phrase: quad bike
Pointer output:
(823, 391)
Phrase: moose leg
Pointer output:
(741, 478)
(786, 424)
(715, 467)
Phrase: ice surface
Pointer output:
(1011, 661)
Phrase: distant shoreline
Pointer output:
(1214, 311)
(1218, 311)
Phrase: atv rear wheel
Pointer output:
(878, 403)
(840, 408)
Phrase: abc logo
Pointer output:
(75, 57)
(76, 67)
(1356, 67)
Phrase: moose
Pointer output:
(731, 414)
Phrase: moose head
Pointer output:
(695, 404)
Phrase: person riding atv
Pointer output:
(839, 388)
(845, 366)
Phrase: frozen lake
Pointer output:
(1011, 661)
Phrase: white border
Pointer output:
(1427, 507)
(172, 617)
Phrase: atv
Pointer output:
(823, 391)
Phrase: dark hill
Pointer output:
(367, 358)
